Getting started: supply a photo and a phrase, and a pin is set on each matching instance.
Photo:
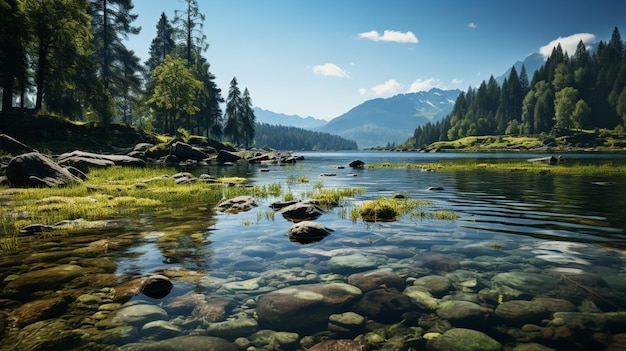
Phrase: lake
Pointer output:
(530, 262)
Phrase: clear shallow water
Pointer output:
(507, 223)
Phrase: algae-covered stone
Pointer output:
(461, 339)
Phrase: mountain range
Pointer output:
(387, 121)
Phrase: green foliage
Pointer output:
(582, 91)
(293, 138)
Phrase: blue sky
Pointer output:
(321, 58)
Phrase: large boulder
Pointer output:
(302, 211)
(187, 152)
(305, 306)
(36, 170)
(227, 156)
(307, 232)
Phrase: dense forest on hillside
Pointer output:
(584, 90)
(68, 58)
(293, 138)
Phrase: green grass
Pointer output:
(566, 168)
(329, 197)
(385, 209)
(113, 193)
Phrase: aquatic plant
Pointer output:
(330, 197)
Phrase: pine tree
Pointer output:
(189, 24)
(162, 44)
(233, 113)
(111, 23)
(248, 120)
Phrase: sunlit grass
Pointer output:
(332, 197)
(386, 209)
(600, 167)
(110, 193)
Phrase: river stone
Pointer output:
(43, 279)
(421, 298)
(306, 232)
(356, 164)
(439, 262)
(580, 320)
(384, 305)
(531, 283)
(183, 343)
(157, 286)
(519, 312)
(36, 170)
(351, 264)
(185, 151)
(302, 211)
(38, 310)
(436, 285)
(138, 314)
(377, 279)
(304, 306)
(338, 345)
(462, 312)
(348, 321)
(161, 328)
(461, 339)
(274, 340)
(237, 204)
(239, 324)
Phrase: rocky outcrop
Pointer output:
(36, 170)
(85, 160)
(237, 204)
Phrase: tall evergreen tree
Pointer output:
(189, 24)
(233, 113)
(111, 23)
(162, 44)
(248, 120)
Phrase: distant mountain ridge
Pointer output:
(382, 121)
(273, 118)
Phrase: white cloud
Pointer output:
(390, 87)
(362, 91)
(330, 69)
(425, 84)
(456, 82)
(472, 25)
(390, 35)
(568, 43)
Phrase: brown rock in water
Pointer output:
(305, 306)
(43, 279)
(376, 279)
(37, 310)
(302, 211)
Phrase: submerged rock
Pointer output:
(461, 339)
(305, 306)
(377, 279)
(183, 343)
(335, 345)
(43, 279)
(356, 164)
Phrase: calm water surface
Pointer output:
(507, 222)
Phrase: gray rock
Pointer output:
(184, 151)
(356, 164)
(343, 345)
(302, 211)
(435, 284)
(85, 160)
(274, 340)
(463, 312)
(351, 264)
(36, 170)
(344, 322)
(384, 305)
(240, 324)
(531, 283)
(227, 156)
(162, 329)
(461, 339)
(306, 232)
(13, 146)
(139, 314)
(421, 298)
(237, 204)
